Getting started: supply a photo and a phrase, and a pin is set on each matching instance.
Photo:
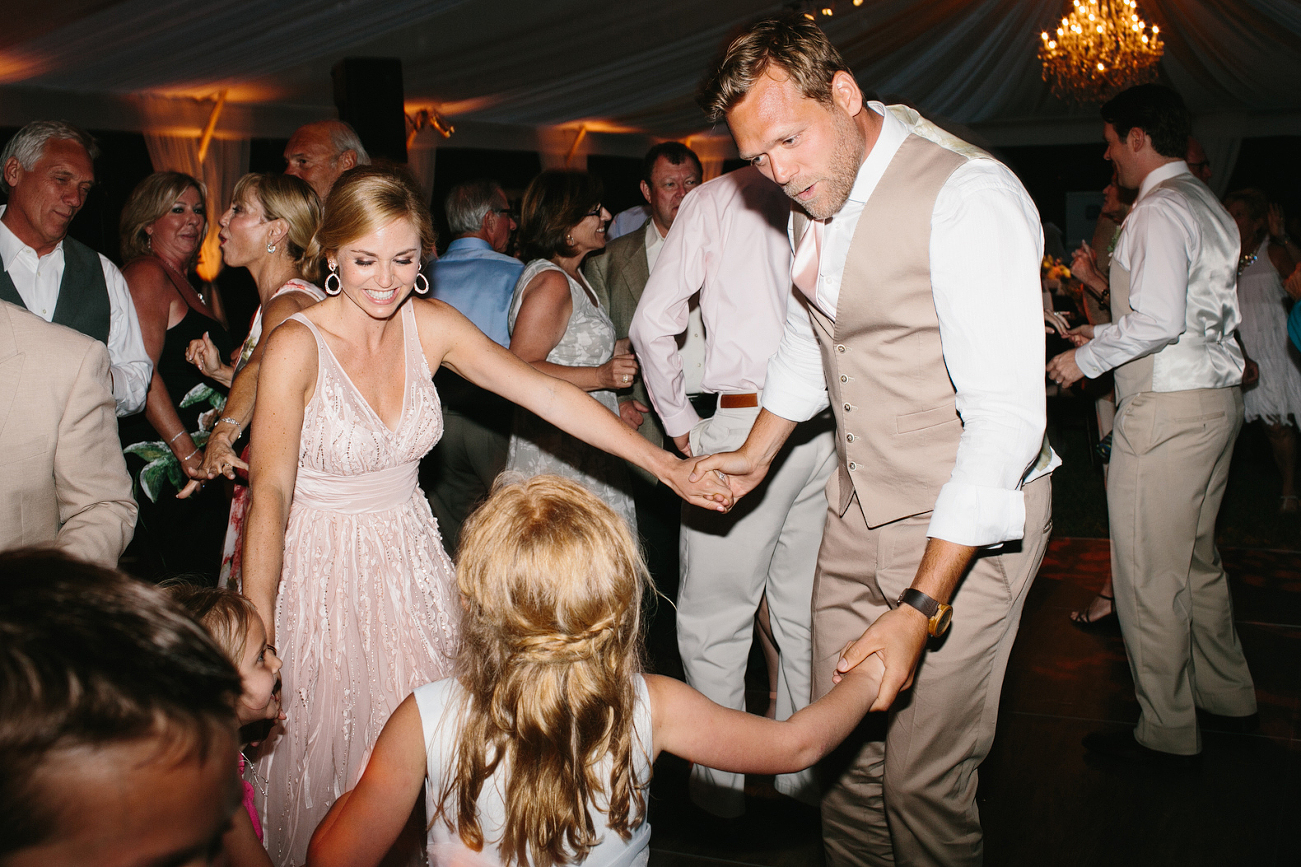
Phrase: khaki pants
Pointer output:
(1169, 464)
(911, 798)
(768, 545)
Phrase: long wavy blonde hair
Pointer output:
(552, 582)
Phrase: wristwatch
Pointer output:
(938, 615)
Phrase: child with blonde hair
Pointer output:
(539, 751)
(233, 622)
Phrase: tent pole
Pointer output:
(212, 126)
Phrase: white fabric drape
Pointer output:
(525, 64)
(225, 163)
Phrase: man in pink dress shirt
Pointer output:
(729, 243)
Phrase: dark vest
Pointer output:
(83, 295)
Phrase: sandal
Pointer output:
(1288, 503)
(1082, 619)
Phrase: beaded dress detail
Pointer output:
(366, 610)
(537, 447)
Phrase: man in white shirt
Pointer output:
(729, 245)
(47, 171)
(618, 274)
(919, 317)
(1178, 413)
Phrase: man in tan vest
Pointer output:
(1178, 412)
(919, 317)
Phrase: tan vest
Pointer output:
(897, 425)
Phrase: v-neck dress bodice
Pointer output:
(366, 610)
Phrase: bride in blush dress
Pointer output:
(342, 555)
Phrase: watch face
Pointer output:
(942, 620)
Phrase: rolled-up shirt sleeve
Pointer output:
(664, 309)
(985, 249)
(129, 364)
(1155, 249)
(796, 388)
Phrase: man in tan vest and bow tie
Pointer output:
(1178, 413)
(919, 318)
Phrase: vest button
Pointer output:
(848, 407)
(852, 466)
(840, 347)
(849, 438)
(844, 378)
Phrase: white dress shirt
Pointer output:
(37, 281)
(985, 248)
(1156, 245)
(728, 242)
(691, 343)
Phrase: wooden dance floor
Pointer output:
(1041, 800)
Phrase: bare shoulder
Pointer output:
(284, 305)
(147, 279)
(291, 342)
(550, 283)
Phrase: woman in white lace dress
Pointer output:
(557, 325)
(1275, 399)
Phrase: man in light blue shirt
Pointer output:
(478, 279)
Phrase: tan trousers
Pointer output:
(911, 798)
(1169, 464)
(767, 545)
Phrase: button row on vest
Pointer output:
(840, 347)
(852, 466)
(849, 438)
(848, 407)
(844, 378)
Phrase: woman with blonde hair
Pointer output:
(267, 229)
(162, 228)
(342, 556)
(539, 751)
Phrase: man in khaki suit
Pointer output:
(63, 480)
(918, 317)
(1178, 413)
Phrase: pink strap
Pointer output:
(804, 269)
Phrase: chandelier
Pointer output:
(1101, 48)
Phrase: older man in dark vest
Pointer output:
(47, 171)
(919, 319)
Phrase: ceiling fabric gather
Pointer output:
(494, 68)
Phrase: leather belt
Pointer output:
(738, 401)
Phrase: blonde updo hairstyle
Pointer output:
(552, 583)
(152, 198)
(363, 200)
(284, 197)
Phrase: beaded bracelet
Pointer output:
(228, 420)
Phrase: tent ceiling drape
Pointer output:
(499, 69)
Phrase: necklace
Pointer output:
(170, 267)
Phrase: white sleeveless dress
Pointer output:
(537, 447)
(367, 609)
(442, 719)
(1261, 299)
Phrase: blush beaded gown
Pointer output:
(366, 610)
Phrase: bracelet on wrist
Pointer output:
(179, 434)
(190, 455)
(225, 419)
